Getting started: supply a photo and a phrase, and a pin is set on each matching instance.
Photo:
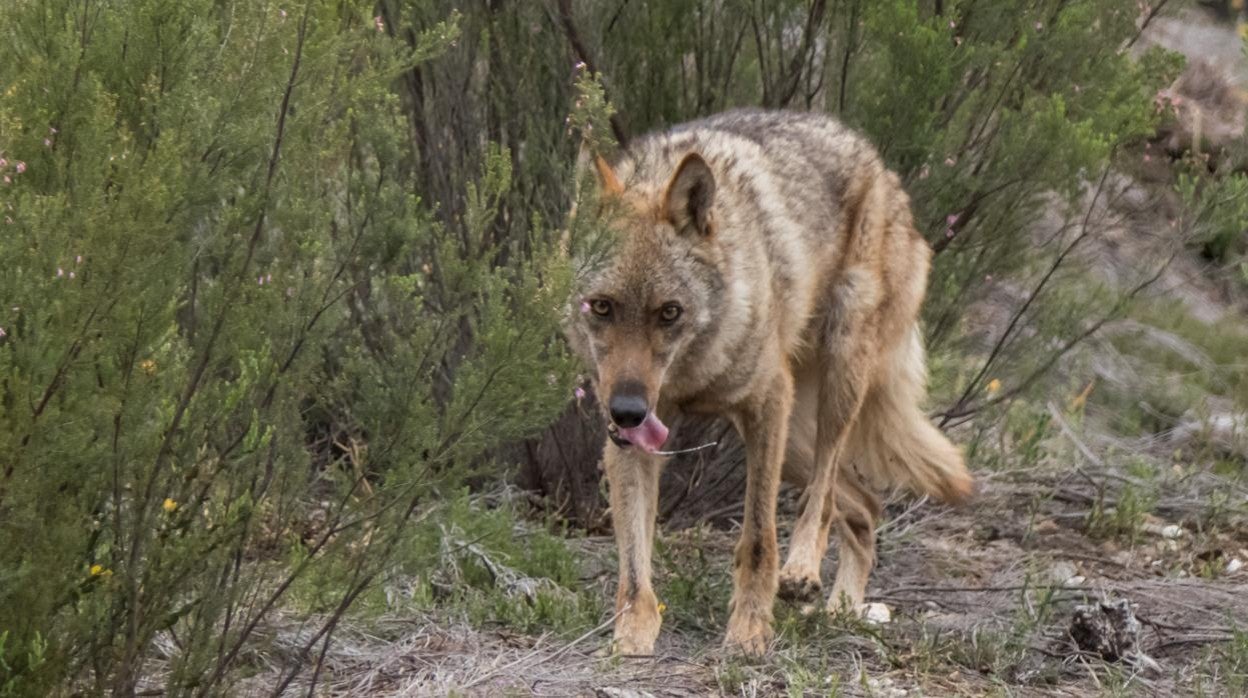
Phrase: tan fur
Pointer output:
(792, 252)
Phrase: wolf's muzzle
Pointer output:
(628, 405)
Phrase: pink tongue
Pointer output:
(648, 436)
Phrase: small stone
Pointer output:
(1061, 571)
(1234, 565)
(1171, 532)
(1076, 580)
(877, 613)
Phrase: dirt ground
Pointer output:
(981, 600)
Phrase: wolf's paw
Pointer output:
(636, 630)
(799, 588)
(749, 634)
(632, 647)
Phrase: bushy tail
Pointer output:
(895, 444)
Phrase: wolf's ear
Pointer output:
(608, 181)
(690, 195)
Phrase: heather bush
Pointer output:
(239, 350)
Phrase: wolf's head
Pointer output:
(642, 313)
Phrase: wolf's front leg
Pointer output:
(763, 423)
(633, 478)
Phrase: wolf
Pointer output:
(765, 268)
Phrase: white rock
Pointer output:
(877, 613)
(1075, 580)
(1061, 571)
(1234, 565)
(1171, 532)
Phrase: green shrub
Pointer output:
(240, 354)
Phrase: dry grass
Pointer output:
(981, 598)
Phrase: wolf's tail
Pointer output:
(895, 444)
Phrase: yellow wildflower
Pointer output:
(662, 607)
(170, 505)
(99, 571)
(994, 386)
(148, 366)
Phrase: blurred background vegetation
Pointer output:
(279, 297)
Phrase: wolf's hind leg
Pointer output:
(857, 510)
(843, 371)
(799, 471)
(633, 477)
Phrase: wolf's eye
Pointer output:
(600, 307)
(669, 313)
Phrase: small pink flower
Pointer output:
(1039, 26)
(987, 277)
(290, 292)
(53, 130)
(3, 333)
(1148, 158)
(71, 274)
(268, 278)
(951, 219)
(60, 272)
(282, 13)
(260, 280)
(584, 306)
(8, 179)
(579, 392)
(949, 233)
(377, 22)
(20, 167)
(924, 172)
(78, 259)
(951, 161)
(952, 24)
(580, 65)
(3, 163)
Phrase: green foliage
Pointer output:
(494, 571)
(1177, 376)
(693, 587)
(240, 354)
(1220, 205)
(1124, 518)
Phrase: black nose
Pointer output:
(628, 410)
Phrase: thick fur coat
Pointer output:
(766, 269)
